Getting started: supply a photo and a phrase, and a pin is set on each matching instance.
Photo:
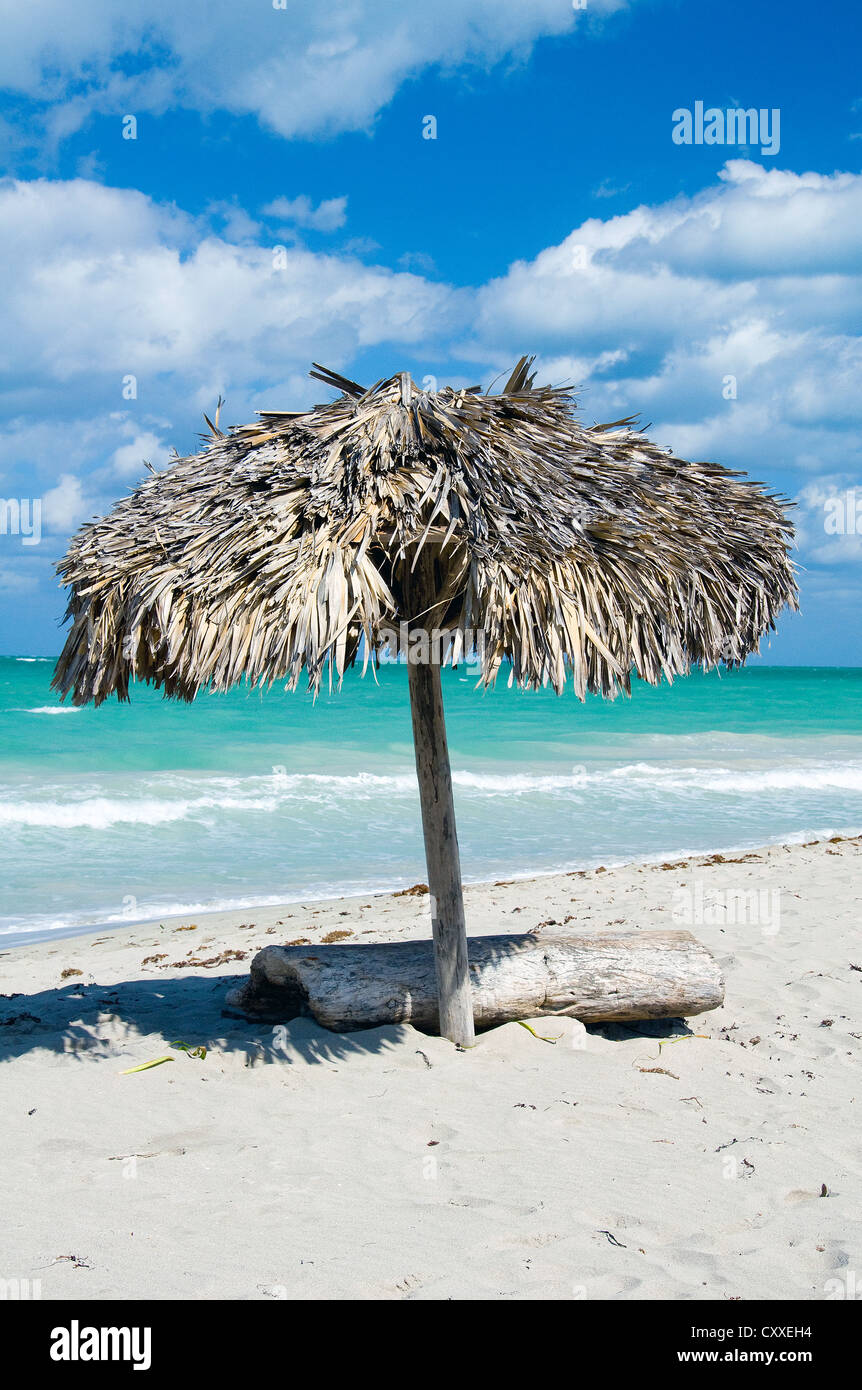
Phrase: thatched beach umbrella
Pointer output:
(572, 553)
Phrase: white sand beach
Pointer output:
(631, 1162)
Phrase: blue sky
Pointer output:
(553, 213)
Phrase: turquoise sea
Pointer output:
(134, 811)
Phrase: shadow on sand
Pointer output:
(96, 1020)
(93, 1020)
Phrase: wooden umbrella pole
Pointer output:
(438, 823)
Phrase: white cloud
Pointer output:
(757, 244)
(303, 70)
(65, 506)
(129, 460)
(236, 225)
(328, 216)
(608, 189)
(102, 283)
(666, 305)
(729, 319)
(15, 579)
(829, 520)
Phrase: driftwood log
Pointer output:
(601, 977)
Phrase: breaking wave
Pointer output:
(162, 801)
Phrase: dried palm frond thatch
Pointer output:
(572, 551)
(498, 520)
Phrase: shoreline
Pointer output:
(12, 941)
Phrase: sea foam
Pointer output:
(174, 799)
